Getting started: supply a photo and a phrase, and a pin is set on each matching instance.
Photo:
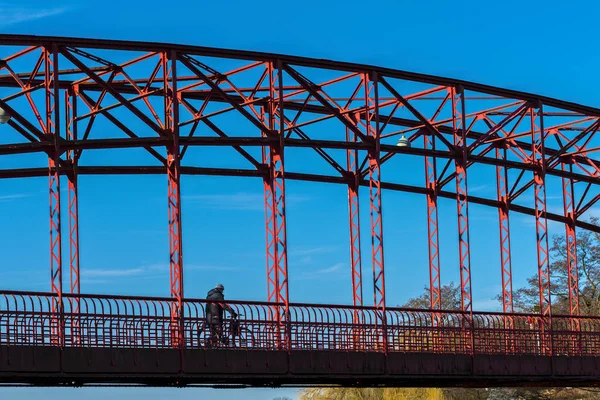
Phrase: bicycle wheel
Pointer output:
(244, 339)
(201, 336)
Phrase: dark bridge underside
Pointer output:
(51, 366)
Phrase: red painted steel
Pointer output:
(370, 83)
(71, 131)
(537, 134)
(460, 132)
(435, 300)
(538, 160)
(277, 249)
(270, 241)
(52, 129)
(171, 125)
(354, 218)
(274, 189)
(571, 244)
(144, 322)
(505, 255)
(451, 136)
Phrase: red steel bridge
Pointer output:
(66, 97)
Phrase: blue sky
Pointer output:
(124, 242)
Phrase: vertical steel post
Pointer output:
(571, 245)
(71, 132)
(71, 112)
(435, 289)
(435, 300)
(169, 64)
(274, 188)
(354, 212)
(571, 239)
(354, 219)
(370, 80)
(502, 194)
(52, 128)
(460, 143)
(505, 260)
(541, 223)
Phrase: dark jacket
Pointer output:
(214, 312)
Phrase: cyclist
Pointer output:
(214, 313)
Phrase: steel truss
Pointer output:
(159, 97)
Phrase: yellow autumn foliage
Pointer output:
(372, 394)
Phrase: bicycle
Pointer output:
(233, 334)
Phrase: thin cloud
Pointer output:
(11, 197)
(194, 267)
(318, 274)
(149, 231)
(100, 276)
(242, 201)
(210, 268)
(105, 273)
(95, 281)
(479, 188)
(10, 15)
(312, 250)
(305, 256)
(529, 220)
(333, 268)
(528, 199)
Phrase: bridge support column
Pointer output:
(571, 241)
(373, 131)
(274, 190)
(431, 183)
(72, 157)
(505, 252)
(541, 223)
(459, 131)
(571, 245)
(354, 214)
(355, 249)
(71, 113)
(505, 255)
(52, 130)
(169, 62)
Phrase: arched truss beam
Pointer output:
(554, 156)
(32, 40)
(262, 173)
(97, 144)
(240, 101)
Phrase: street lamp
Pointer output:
(4, 116)
(403, 142)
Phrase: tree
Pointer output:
(449, 296)
(526, 299)
(371, 394)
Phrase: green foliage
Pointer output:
(525, 299)
(449, 294)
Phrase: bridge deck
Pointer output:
(168, 367)
(109, 339)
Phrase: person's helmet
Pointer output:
(220, 287)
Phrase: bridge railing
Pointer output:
(27, 318)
